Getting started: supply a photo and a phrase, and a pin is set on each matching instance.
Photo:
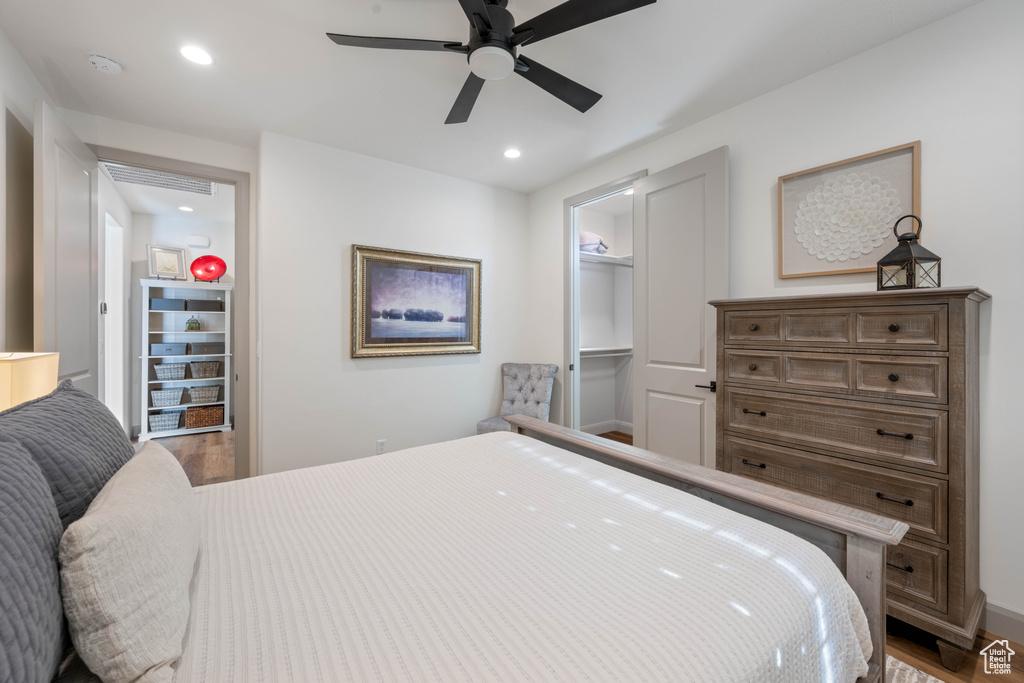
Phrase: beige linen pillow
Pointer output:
(126, 567)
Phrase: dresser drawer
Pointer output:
(922, 379)
(919, 326)
(905, 435)
(909, 377)
(918, 572)
(746, 327)
(754, 366)
(816, 327)
(919, 501)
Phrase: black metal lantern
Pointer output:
(909, 265)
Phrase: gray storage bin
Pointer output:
(162, 422)
(168, 349)
(206, 348)
(167, 304)
(205, 305)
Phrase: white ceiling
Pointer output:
(659, 68)
(159, 201)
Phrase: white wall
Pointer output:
(957, 86)
(321, 406)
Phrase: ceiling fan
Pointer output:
(494, 39)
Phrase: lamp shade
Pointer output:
(25, 376)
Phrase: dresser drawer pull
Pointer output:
(754, 464)
(753, 327)
(752, 366)
(908, 569)
(893, 377)
(755, 412)
(882, 432)
(894, 327)
(907, 502)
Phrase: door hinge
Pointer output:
(713, 386)
(103, 308)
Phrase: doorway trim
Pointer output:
(245, 294)
(571, 355)
(114, 319)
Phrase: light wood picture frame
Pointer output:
(166, 263)
(838, 218)
(407, 303)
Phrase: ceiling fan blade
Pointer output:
(567, 90)
(570, 15)
(476, 8)
(466, 99)
(398, 43)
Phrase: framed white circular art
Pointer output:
(838, 218)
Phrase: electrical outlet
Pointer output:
(381, 445)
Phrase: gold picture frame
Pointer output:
(835, 217)
(407, 303)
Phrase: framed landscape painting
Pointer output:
(838, 218)
(406, 303)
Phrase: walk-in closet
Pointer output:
(604, 254)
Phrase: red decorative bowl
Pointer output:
(208, 268)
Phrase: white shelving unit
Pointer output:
(169, 327)
(610, 259)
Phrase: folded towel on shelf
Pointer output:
(592, 242)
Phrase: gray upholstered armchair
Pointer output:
(527, 391)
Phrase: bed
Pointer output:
(544, 554)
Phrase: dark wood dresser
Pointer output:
(869, 399)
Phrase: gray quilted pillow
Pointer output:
(31, 615)
(75, 439)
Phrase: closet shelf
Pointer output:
(605, 352)
(609, 259)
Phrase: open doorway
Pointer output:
(599, 292)
(187, 359)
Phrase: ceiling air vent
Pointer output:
(169, 181)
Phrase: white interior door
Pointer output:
(66, 251)
(680, 262)
(115, 319)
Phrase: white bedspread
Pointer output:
(500, 558)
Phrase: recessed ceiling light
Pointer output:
(512, 153)
(196, 54)
(186, 209)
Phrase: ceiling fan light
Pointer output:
(492, 63)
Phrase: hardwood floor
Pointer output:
(917, 648)
(621, 437)
(206, 458)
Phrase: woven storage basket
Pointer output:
(166, 398)
(163, 422)
(168, 372)
(205, 369)
(204, 394)
(212, 416)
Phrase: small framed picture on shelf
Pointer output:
(408, 304)
(166, 263)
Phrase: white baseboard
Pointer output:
(608, 426)
(1003, 622)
